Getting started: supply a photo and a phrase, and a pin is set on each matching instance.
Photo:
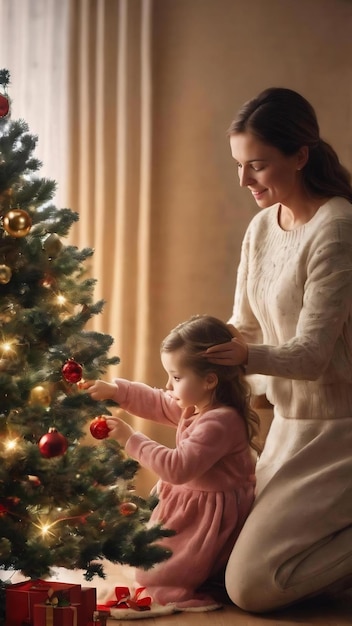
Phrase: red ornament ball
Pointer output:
(72, 371)
(127, 508)
(53, 444)
(4, 105)
(99, 428)
(47, 281)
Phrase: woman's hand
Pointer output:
(98, 389)
(118, 429)
(234, 352)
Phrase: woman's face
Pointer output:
(271, 176)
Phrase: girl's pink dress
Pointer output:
(205, 490)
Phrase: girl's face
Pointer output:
(271, 176)
(185, 386)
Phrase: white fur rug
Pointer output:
(116, 576)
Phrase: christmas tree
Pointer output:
(62, 503)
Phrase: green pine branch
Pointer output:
(68, 510)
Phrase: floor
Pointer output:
(320, 612)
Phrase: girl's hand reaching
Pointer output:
(101, 390)
(98, 389)
(118, 429)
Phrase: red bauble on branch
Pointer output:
(4, 105)
(72, 371)
(127, 508)
(53, 444)
(99, 428)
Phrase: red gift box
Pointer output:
(88, 604)
(48, 615)
(21, 598)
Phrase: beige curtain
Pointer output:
(110, 154)
(34, 48)
(81, 78)
(110, 171)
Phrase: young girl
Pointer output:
(206, 484)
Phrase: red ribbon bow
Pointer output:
(124, 600)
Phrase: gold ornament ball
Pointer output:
(5, 274)
(17, 223)
(52, 245)
(40, 395)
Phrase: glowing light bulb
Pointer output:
(7, 347)
(61, 300)
(11, 444)
(45, 529)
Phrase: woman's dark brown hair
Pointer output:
(195, 336)
(284, 119)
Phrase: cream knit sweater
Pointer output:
(293, 304)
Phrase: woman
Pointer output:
(292, 323)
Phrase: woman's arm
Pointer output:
(323, 323)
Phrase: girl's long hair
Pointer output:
(196, 335)
(284, 119)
